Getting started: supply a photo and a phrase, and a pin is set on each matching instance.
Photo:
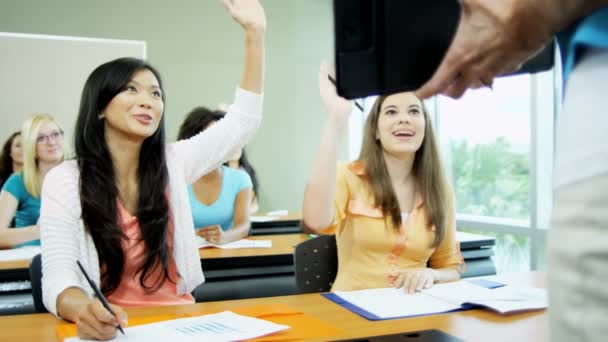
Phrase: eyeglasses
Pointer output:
(45, 139)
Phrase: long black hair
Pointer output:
(6, 160)
(197, 120)
(98, 183)
(245, 164)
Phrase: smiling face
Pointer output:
(136, 111)
(401, 124)
(49, 143)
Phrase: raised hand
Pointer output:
(248, 13)
(335, 105)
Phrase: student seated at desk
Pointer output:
(240, 162)
(121, 207)
(219, 199)
(20, 196)
(392, 210)
(11, 157)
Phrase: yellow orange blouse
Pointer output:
(370, 252)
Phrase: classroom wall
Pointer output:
(198, 50)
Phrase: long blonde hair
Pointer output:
(427, 170)
(29, 136)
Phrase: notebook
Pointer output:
(389, 303)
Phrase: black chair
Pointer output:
(316, 264)
(36, 281)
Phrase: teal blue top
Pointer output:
(28, 209)
(589, 32)
(222, 210)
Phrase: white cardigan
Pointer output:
(65, 240)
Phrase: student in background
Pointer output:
(20, 197)
(219, 199)
(11, 157)
(392, 210)
(240, 162)
(121, 207)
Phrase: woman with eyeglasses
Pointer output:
(42, 142)
(121, 207)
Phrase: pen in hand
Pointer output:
(331, 79)
(99, 295)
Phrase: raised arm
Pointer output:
(318, 208)
(244, 115)
(250, 15)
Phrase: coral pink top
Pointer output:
(130, 292)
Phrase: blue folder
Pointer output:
(370, 316)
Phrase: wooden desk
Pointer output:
(472, 325)
(250, 272)
(287, 224)
(281, 245)
(14, 270)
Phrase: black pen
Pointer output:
(331, 79)
(99, 295)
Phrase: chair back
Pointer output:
(316, 264)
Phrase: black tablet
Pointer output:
(414, 336)
(387, 46)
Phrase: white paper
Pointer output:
(280, 212)
(529, 298)
(262, 218)
(391, 302)
(223, 326)
(243, 243)
(460, 292)
(23, 253)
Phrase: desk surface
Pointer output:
(281, 245)
(15, 264)
(472, 325)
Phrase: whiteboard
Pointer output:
(45, 74)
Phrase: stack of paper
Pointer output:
(23, 253)
(224, 326)
(243, 243)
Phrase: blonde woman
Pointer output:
(392, 210)
(42, 140)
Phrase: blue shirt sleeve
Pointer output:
(15, 186)
(244, 181)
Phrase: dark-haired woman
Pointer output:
(392, 209)
(121, 208)
(11, 157)
(220, 198)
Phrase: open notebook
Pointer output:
(388, 303)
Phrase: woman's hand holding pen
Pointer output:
(95, 322)
(337, 107)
